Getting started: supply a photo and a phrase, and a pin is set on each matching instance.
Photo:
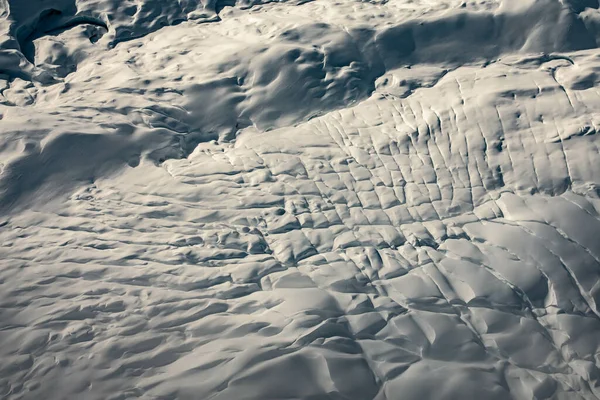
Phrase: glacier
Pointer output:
(326, 199)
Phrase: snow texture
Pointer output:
(228, 200)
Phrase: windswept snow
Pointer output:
(299, 199)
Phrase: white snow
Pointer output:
(299, 199)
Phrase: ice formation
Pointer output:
(328, 199)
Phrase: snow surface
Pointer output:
(208, 199)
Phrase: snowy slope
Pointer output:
(299, 199)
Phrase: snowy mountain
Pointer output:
(328, 199)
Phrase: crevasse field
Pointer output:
(246, 200)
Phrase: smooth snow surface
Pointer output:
(227, 200)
